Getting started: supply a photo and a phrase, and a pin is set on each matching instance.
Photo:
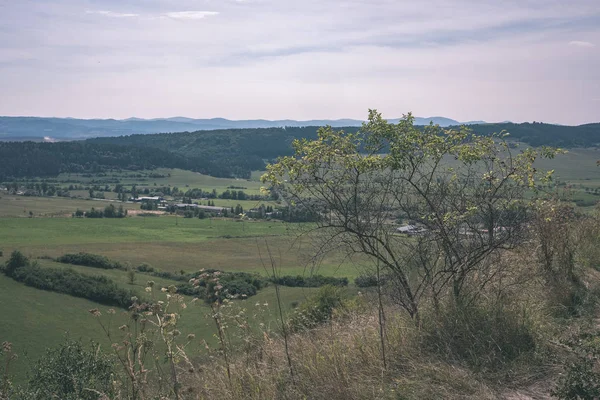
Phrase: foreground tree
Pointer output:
(466, 197)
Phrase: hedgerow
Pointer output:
(90, 260)
(95, 288)
(309, 281)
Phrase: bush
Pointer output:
(582, 377)
(190, 290)
(71, 372)
(89, 260)
(485, 338)
(368, 280)
(580, 382)
(239, 288)
(1, 253)
(234, 283)
(144, 268)
(318, 308)
(16, 261)
(310, 281)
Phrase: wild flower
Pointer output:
(95, 312)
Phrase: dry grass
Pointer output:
(342, 360)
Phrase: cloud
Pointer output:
(112, 14)
(190, 14)
(387, 54)
(579, 43)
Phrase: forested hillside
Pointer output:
(230, 152)
(225, 152)
(541, 134)
(29, 159)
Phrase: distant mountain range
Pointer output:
(19, 128)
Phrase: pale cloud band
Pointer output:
(181, 15)
(309, 59)
(112, 14)
(579, 43)
(190, 14)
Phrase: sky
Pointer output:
(492, 60)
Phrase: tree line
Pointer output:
(223, 153)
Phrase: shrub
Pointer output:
(318, 308)
(16, 261)
(580, 382)
(582, 377)
(236, 283)
(1, 253)
(90, 260)
(485, 338)
(310, 281)
(239, 288)
(368, 280)
(71, 372)
(144, 268)
(190, 290)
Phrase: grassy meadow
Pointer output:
(34, 319)
(167, 242)
(20, 206)
(173, 177)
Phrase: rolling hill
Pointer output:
(20, 128)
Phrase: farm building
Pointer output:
(411, 230)
(201, 207)
(142, 199)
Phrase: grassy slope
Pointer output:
(35, 319)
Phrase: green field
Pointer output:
(34, 320)
(179, 178)
(166, 242)
(576, 166)
(20, 206)
(37, 319)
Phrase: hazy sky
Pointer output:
(465, 59)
